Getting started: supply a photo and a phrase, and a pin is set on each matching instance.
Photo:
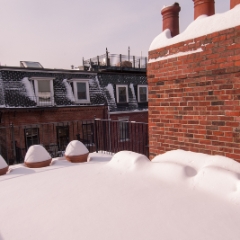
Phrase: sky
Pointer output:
(59, 33)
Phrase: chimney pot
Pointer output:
(234, 3)
(171, 18)
(204, 7)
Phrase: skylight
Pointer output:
(28, 64)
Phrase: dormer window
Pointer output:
(43, 90)
(122, 93)
(142, 93)
(81, 90)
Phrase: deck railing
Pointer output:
(97, 135)
(116, 61)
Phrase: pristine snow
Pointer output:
(3, 163)
(37, 153)
(75, 148)
(179, 195)
(203, 25)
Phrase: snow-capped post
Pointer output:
(204, 7)
(233, 3)
(171, 18)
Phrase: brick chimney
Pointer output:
(203, 7)
(171, 18)
(233, 3)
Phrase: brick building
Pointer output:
(54, 106)
(194, 82)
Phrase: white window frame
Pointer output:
(75, 81)
(139, 86)
(35, 80)
(117, 92)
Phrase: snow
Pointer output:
(75, 148)
(132, 89)
(29, 88)
(69, 94)
(109, 87)
(3, 163)
(177, 195)
(179, 54)
(37, 153)
(203, 25)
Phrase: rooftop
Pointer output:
(179, 195)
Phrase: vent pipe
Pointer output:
(204, 7)
(234, 3)
(171, 18)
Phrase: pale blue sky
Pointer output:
(58, 33)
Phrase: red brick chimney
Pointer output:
(171, 18)
(203, 7)
(233, 3)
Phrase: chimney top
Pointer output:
(204, 7)
(171, 18)
(234, 3)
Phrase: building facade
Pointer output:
(193, 80)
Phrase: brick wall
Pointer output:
(133, 116)
(46, 115)
(194, 100)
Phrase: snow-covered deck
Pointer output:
(179, 195)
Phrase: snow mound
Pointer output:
(36, 153)
(3, 163)
(75, 148)
(197, 28)
(216, 174)
(128, 160)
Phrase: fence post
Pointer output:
(13, 141)
(109, 135)
(96, 133)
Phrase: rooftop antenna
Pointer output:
(128, 53)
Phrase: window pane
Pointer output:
(122, 93)
(143, 94)
(32, 137)
(44, 86)
(81, 90)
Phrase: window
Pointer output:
(31, 136)
(62, 137)
(123, 129)
(44, 91)
(142, 93)
(122, 93)
(81, 90)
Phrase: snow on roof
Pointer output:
(69, 94)
(203, 25)
(75, 148)
(37, 153)
(179, 195)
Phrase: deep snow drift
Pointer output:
(179, 195)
